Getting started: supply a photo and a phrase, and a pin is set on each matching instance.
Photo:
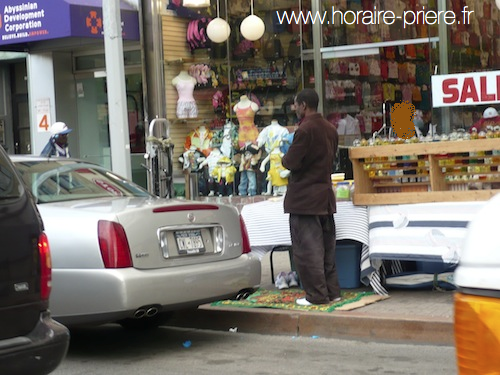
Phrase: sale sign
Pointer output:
(466, 89)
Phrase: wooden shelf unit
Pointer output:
(426, 172)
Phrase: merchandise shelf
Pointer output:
(467, 170)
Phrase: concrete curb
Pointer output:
(342, 324)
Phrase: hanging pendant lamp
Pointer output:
(252, 27)
(218, 30)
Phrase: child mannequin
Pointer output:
(223, 175)
(245, 111)
(199, 138)
(211, 162)
(186, 105)
(278, 175)
(190, 159)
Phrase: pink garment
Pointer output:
(185, 89)
(248, 132)
(186, 105)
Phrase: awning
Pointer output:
(30, 21)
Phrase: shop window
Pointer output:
(474, 47)
(348, 22)
(360, 89)
(268, 71)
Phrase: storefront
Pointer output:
(361, 56)
(53, 69)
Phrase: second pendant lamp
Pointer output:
(252, 27)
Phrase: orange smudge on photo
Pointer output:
(402, 119)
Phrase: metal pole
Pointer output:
(117, 100)
(154, 68)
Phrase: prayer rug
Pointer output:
(285, 299)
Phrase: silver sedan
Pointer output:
(120, 254)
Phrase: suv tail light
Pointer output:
(45, 266)
(244, 236)
(115, 250)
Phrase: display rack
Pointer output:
(467, 170)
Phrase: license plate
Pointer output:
(189, 242)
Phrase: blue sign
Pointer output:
(30, 21)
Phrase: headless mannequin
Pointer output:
(271, 135)
(245, 102)
(186, 105)
(183, 75)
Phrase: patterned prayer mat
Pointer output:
(285, 299)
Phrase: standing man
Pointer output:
(311, 203)
(58, 142)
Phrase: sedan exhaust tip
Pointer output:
(146, 311)
(152, 311)
(140, 313)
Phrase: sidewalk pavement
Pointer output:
(411, 316)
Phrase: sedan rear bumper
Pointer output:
(81, 296)
(37, 353)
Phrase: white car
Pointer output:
(123, 255)
(477, 300)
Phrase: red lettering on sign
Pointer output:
(451, 94)
(469, 91)
(485, 97)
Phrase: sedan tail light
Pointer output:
(244, 236)
(45, 267)
(115, 250)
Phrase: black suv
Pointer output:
(30, 341)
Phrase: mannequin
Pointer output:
(270, 138)
(223, 175)
(200, 138)
(190, 159)
(245, 111)
(211, 163)
(186, 105)
(277, 176)
(271, 135)
(249, 159)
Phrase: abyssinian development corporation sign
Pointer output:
(466, 89)
(29, 21)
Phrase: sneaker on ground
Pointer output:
(303, 302)
(338, 299)
(281, 282)
(292, 279)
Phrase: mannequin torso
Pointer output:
(245, 111)
(186, 104)
(271, 136)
